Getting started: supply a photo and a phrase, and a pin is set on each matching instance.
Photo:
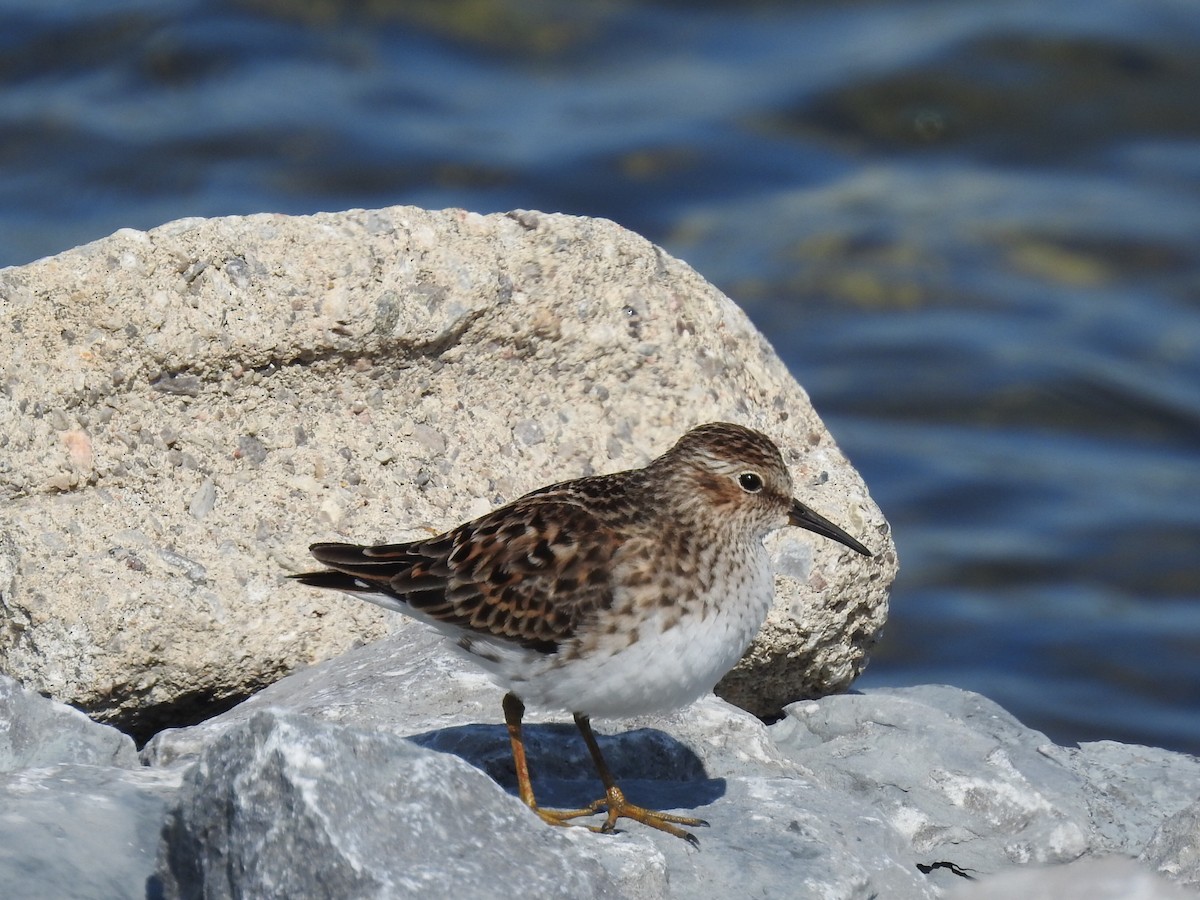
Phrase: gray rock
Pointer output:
(86, 832)
(976, 792)
(894, 793)
(79, 816)
(157, 486)
(387, 773)
(712, 760)
(406, 683)
(1129, 789)
(1106, 878)
(35, 731)
(959, 777)
(283, 806)
(790, 837)
(1174, 849)
(276, 791)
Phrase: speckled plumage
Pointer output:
(604, 596)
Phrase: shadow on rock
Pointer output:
(653, 768)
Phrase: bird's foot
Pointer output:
(619, 808)
(564, 816)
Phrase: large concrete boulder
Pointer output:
(182, 411)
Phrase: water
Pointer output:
(968, 227)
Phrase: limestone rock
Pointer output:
(1174, 849)
(79, 816)
(311, 788)
(182, 411)
(1129, 789)
(37, 732)
(86, 832)
(965, 782)
(973, 790)
(898, 793)
(1108, 878)
(283, 806)
(300, 808)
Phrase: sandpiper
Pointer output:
(613, 595)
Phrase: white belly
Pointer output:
(665, 668)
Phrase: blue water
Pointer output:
(969, 227)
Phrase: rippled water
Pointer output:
(970, 228)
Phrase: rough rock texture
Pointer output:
(714, 756)
(79, 816)
(895, 793)
(1111, 878)
(82, 832)
(289, 807)
(966, 782)
(1175, 848)
(310, 789)
(37, 732)
(182, 411)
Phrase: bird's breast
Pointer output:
(667, 640)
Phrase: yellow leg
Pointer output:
(613, 800)
(514, 712)
(620, 808)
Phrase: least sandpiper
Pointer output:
(610, 596)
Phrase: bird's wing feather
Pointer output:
(530, 572)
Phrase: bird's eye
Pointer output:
(750, 482)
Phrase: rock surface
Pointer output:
(1110, 878)
(311, 788)
(79, 816)
(284, 806)
(36, 732)
(895, 793)
(182, 411)
(966, 782)
(1175, 848)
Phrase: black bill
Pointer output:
(803, 517)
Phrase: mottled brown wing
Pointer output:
(530, 572)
